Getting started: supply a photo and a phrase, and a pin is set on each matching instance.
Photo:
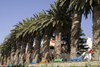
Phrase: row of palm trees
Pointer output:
(63, 15)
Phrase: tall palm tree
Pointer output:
(23, 41)
(18, 40)
(46, 42)
(75, 31)
(59, 17)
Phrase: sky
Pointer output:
(13, 11)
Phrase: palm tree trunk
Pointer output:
(23, 43)
(2, 59)
(57, 48)
(96, 31)
(5, 58)
(17, 52)
(13, 50)
(46, 43)
(29, 51)
(37, 46)
(8, 58)
(75, 33)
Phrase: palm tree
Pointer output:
(13, 45)
(75, 31)
(18, 40)
(23, 41)
(46, 36)
(59, 17)
(49, 20)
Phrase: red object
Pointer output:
(52, 41)
(91, 51)
(4, 64)
(26, 54)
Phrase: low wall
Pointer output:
(75, 63)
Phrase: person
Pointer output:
(62, 49)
